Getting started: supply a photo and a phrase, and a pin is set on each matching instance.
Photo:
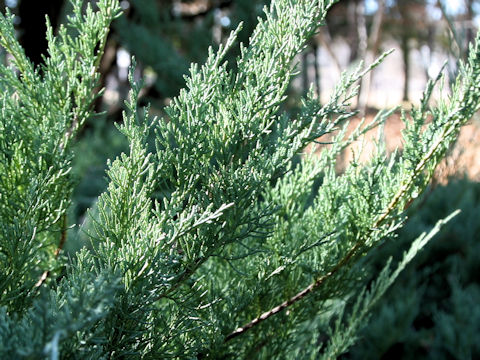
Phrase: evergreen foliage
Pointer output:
(42, 109)
(431, 312)
(210, 241)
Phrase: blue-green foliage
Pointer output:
(42, 110)
(96, 145)
(432, 311)
(209, 241)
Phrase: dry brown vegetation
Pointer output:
(461, 160)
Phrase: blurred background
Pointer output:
(166, 36)
(433, 310)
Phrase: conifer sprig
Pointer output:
(42, 109)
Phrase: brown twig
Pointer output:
(402, 191)
(297, 297)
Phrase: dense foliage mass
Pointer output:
(214, 239)
(432, 312)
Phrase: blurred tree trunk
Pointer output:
(412, 19)
(316, 64)
(352, 36)
(305, 79)
(406, 66)
(470, 27)
(427, 53)
(311, 53)
(326, 41)
(362, 32)
(372, 52)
